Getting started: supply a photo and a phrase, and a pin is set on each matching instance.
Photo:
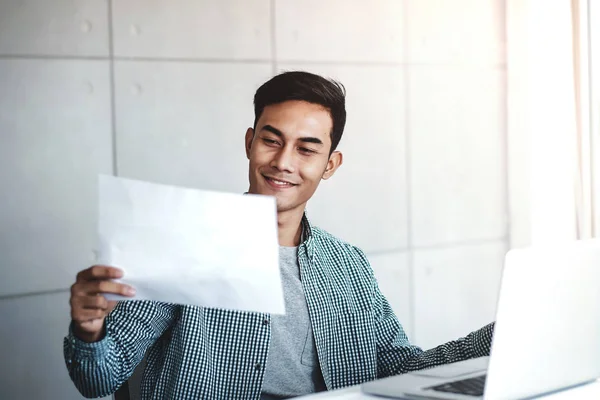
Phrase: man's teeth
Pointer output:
(280, 182)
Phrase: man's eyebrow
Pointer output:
(273, 130)
(311, 140)
(306, 139)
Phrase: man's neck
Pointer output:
(289, 225)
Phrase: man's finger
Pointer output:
(93, 302)
(86, 315)
(99, 287)
(98, 272)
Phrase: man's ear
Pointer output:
(335, 161)
(248, 141)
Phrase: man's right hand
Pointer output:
(88, 307)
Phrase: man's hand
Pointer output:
(88, 307)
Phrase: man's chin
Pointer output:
(284, 199)
(284, 204)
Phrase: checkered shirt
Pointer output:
(206, 353)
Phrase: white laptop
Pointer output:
(546, 339)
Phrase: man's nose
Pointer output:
(284, 160)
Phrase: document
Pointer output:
(190, 246)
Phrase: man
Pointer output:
(339, 329)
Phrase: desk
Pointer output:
(587, 392)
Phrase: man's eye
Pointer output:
(269, 141)
(306, 151)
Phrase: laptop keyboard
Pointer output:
(470, 387)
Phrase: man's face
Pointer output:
(289, 153)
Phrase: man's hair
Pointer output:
(304, 86)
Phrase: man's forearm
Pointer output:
(475, 344)
(89, 365)
(99, 368)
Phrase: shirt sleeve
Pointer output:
(98, 369)
(395, 353)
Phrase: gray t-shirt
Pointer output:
(292, 365)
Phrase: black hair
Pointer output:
(304, 86)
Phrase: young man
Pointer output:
(339, 329)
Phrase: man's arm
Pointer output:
(99, 368)
(106, 340)
(395, 354)
(475, 344)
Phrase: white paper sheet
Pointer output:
(190, 246)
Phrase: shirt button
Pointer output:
(257, 366)
(265, 322)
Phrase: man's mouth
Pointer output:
(278, 183)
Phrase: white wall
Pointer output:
(595, 71)
(162, 90)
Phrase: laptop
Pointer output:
(546, 339)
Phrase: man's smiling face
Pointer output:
(289, 152)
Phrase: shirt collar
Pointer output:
(306, 229)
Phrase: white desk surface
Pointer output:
(586, 392)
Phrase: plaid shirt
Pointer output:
(205, 353)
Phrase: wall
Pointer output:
(163, 91)
(595, 71)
